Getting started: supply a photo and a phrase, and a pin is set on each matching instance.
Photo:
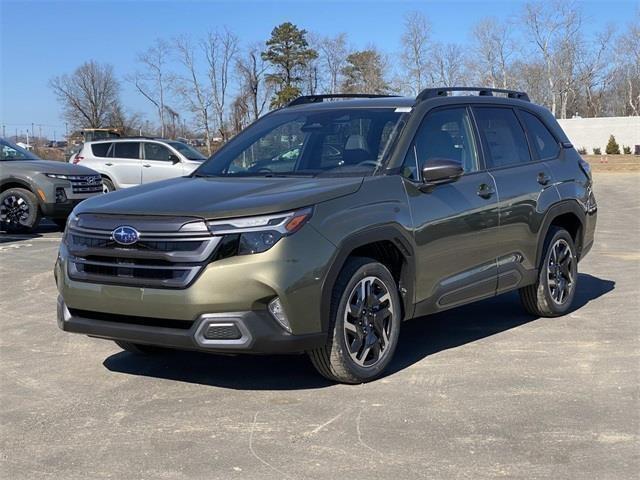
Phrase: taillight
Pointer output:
(77, 159)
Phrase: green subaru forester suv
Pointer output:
(324, 225)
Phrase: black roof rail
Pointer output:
(320, 98)
(428, 93)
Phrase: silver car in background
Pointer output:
(127, 162)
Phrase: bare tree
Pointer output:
(151, 83)
(447, 65)
(594, 74)
(220, 49)
(628, 67)
(334, 53)
(493, 49)
(555, 31)
(251, 70)
(192, 89)
(89, 95)
(415, 51)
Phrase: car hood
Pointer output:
(212, 198)
(46, 166)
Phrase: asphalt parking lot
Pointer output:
(484, 391)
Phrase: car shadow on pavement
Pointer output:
(419, 338)
(44, 227)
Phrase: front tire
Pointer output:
(19, 210)
(553, 292)
(107, 185)
(364, 324)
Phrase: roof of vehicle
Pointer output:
(129, 139)
(375, 102)
(454, 95)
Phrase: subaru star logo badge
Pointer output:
(125, 235)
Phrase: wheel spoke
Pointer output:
(362, 356)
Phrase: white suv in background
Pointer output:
(127, 162)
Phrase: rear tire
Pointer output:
(107, 185)
(555, 288)
(140, 349)
(19, 210)
(364, 324)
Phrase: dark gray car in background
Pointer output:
(32, 188)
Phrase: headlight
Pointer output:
(59, 176)
(258, 234)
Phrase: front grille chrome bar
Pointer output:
(156, 260)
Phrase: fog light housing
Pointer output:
(277, 311)
(61, 196)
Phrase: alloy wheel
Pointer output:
(14, 210)
(368, 321)
(561, 271)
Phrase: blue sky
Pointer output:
(39, 40)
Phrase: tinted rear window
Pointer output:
(502, 136)
(100, 149)
(544, 143)
(127, 150)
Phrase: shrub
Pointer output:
(597, 151)
(582, 151)
(612, 146)
(626, 150)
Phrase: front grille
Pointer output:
(134, 320)
(81, 184)
(157, 259)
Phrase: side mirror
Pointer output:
(439, 171)
(174, 158)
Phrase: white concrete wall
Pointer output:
(594, 132)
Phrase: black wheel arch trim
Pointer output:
(391, 232)
(554, 211)
(13, 182)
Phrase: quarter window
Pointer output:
(444, 134)
(544, 143)
(100, 149)
(127, 150)
(502, 136)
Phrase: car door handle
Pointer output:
(109, 164)
(485, 191)
(543, 178)
(146, 165)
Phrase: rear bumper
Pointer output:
(257, 333)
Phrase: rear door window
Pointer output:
(544, 143)
(100, 149)
(503, 138)
(127, 150)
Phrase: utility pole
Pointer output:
(66, 129)
(3, 132)
(40, 132)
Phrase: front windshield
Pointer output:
(9, 151)
(187, 151)
(339, 142)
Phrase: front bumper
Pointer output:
(257, 333)
(59, 210)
